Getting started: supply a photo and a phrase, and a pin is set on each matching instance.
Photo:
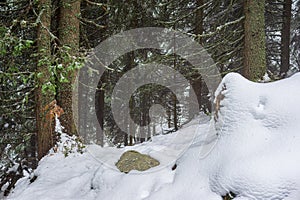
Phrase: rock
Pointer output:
(133, 160)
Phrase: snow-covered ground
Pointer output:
(253, 153)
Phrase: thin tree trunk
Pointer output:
(175, 119)
(285, 38)
(169, 116)
(255, 40)
(131, 131)
(129, 65)
(131, 124)
(153, 130)
(44, 127)
(100, 113)
(68, 36)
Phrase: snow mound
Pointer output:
(256, 155)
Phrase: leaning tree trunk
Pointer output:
(68, 31)
(285, 38)
(44, 126)
(255, 41)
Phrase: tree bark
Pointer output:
(196, 80)
(100, 112)
(175, 115)
(68, 30)
(169, 115)
(44, 127)
(285, 38)
(255, 41)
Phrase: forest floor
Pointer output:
(249, 151)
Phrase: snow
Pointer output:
(6, 125)
(251, 150)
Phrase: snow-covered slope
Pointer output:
(255, 154)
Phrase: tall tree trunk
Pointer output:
(44, 127)
(129, 65)
(285, 38)
(68, 30)
(255, 41)
(196, 79)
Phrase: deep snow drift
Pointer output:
(254, 153)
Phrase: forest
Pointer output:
(62, 63)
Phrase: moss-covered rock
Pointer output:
(133, 160)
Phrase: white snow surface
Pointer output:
(255, 155)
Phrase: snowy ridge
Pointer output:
(255, 155)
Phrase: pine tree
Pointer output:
(68, 34)
(44, 97)
(285, 38)
(255, 45)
